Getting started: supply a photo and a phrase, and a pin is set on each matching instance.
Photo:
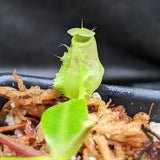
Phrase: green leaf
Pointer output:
(81, 72)
(63, 130)
(76, 142)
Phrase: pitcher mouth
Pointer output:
(82, 41)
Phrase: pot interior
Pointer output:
(133, 99)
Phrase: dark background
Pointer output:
(128, 37)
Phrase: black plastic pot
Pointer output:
(134, 99)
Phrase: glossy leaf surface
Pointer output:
(63, 130)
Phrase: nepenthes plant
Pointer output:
(66, 125)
